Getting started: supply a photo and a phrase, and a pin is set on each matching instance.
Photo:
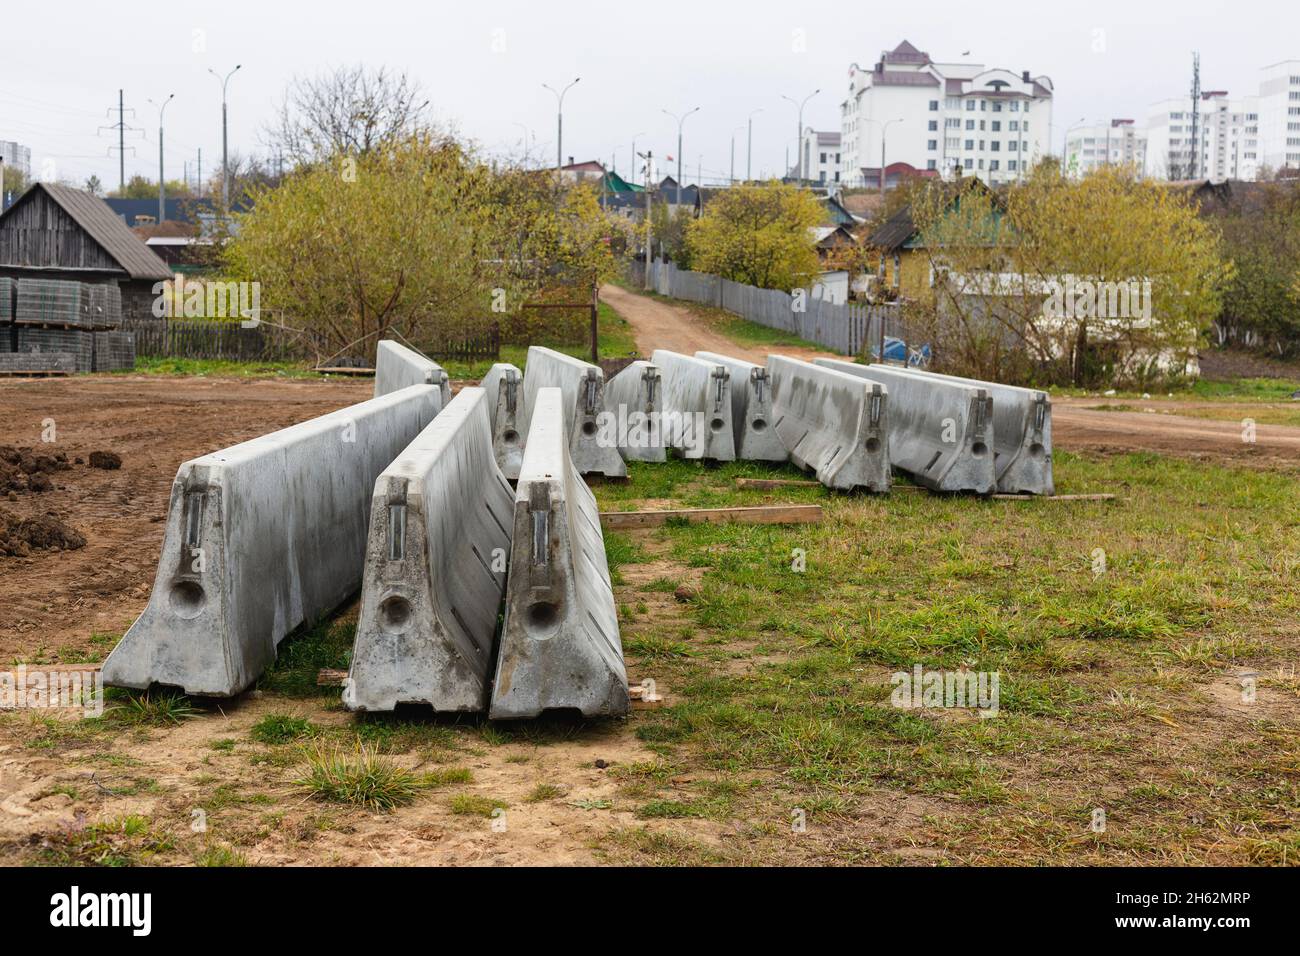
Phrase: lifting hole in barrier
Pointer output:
(716, 424)
(187, 599)
(543, 619)
(1036, 450)
(395, 611)
(510, 436)
(979, 449)
(589, 428)
(757, 425)
(872, 445)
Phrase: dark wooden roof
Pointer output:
(119, 246)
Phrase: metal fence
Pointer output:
(847, 329)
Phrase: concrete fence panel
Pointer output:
(260, 538)
(697, 417)
(435, 569)
(583, 385)
(941, 433)
(633, 400)
(560, 645)
(504, 384)
(833, 424)
(751, 409)
(397, 367)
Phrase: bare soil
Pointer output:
(148, 425)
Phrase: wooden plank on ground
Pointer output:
(1056, 497)
(766, 514)
(326, 677)
(765, 484)
(53, 668)
(344, 370)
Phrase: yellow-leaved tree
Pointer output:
(759, 235)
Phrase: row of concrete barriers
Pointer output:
(407, 496)
(401, 496)
(853, 425)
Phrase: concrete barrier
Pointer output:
(397, 367)
(751, 409)
(435, 569)
(940, 433)
(832, 423)
(594, 451)
(560, 646)
(697, 406)
(505, 397)
(632, 401)
(1022, 430)
(260, 538)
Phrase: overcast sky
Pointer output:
(483, 66)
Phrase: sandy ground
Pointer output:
(55, 600)
(658, 325)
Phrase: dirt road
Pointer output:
(53, 601)
(1075, 426)
(658, 325)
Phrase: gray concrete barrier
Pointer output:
(435, 570)
(397, 367)
(1022, 430)
(260, 538)
(940, 433)
(751, 409)
(632, 400)
(832, 423)
(594, 448)
(560, 646)
(697, 406)
(504, 384)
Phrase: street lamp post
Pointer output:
(749, 147)
(225, 154)
(798, 139)
(634, 153)
(884, 128)
(162, 206)
(559, 123)
(733, 154)
(680, 120)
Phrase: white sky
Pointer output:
(62, 65)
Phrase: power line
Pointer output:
(122, 130)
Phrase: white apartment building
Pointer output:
(1279, 116)
(1226, 133)
(16, 155)
(1119, 143)
(821, 157)
(942, 117)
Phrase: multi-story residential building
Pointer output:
(1226, 134)
(1279, 116)
(1119, 143)
(942, 118)
(821, 157)
(17, 156)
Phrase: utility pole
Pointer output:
(749, 147)
(162, 189)
(798, 139)
(649, 203)
(559, 125)
(884, 128)
(198, 183)
(1196, 114)
(680, 120)
(225, 154)
(122, 129)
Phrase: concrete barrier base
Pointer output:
(435, 569)
(261, 538)
(505, 395)
(751, 409)
(633, 404)
(560, 645)
(397, 367)
(697, 406)
(594, 451)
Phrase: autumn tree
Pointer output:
(760, 235)
(1261, 234)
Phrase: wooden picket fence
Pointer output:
(222, 340)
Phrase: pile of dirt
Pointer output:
(107, 460)
(24, 469)
(19, 537)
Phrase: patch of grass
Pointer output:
(301, 656)
(123, 841)
(219, 855)
(543, 792)
(473, 805)
(223, 745)
(222, 369)
(361, 777)
(282, 729)
(158, 709)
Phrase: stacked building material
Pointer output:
(114, 351)
(58, 315)
(8, 290)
